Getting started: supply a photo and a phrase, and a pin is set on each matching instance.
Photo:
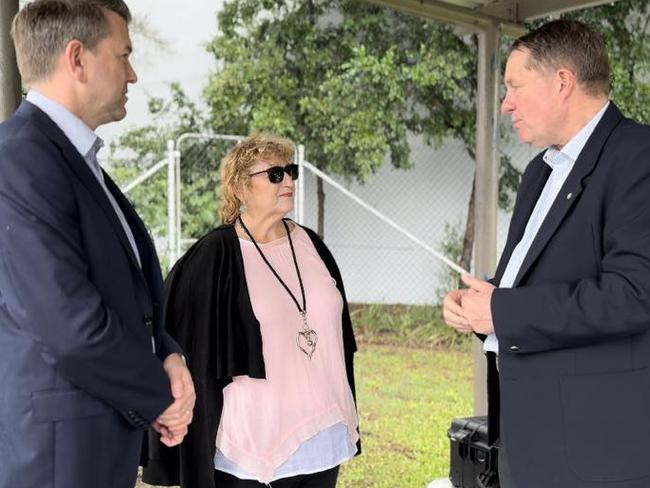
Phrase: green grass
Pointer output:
(407, 398)
(413, 376)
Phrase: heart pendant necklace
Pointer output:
(306, 339)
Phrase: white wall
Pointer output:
(378, 263)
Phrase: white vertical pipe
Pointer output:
(300, 193)
(179, 211)
(171, 203)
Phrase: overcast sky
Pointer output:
(186, 26)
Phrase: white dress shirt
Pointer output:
(561, 163)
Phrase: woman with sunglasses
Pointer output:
(258, 305)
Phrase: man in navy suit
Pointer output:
(85, 366)
(566, 319)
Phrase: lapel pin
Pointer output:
(568, 197)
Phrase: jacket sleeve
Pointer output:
(614, 303)
(47, 293)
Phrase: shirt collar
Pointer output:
(79, 134)
(558, 158)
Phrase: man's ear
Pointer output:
(75, 60)
(566, 82)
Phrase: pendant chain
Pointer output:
(303, 309)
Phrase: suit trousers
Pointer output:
(322, 479)
(505, 477)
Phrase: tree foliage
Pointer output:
(346, 79)
(351, 81)
(142, 148)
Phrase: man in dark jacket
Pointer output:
(569, 318)
(85, 364)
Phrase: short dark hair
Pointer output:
(43, 28)
(569, 44)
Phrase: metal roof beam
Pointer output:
(533, 9)
(446, 12)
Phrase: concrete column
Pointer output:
(10, 84)
(487, 179)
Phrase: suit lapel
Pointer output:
(572, 188)
(138, 229)
(81, 169)
(531, 188)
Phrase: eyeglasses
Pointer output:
(276, 173)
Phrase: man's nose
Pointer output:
(132, 75)
(506, 105)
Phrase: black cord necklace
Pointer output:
(307, 338)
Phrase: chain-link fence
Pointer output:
(385, 234)
(379, 263)
(198, 157)
(429, 201)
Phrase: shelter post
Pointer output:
(487, 177)
(10, 92)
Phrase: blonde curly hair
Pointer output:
(237, 164)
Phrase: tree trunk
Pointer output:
(468, 239)
(321, 208)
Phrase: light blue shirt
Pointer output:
(88, 144)
(561, 163)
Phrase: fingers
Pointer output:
(168, 437)
(456, 321)
(173, 439)
(172, 427)
(477, 309)
(452, 311)
(182, 389)
(176, 417)
(476, 284)
(161, 429)
(175, 413)
(173, 423)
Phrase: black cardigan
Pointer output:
(209, 313)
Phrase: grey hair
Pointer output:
(569, 44)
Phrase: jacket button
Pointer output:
(148, 320)
(514, 348)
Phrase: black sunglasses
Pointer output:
(276, 173)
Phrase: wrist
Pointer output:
(175, 359)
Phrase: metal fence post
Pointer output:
(300, 187)
(179, 231)
(171, 204)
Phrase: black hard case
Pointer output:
(473, 463)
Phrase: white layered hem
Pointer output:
(324, 450)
